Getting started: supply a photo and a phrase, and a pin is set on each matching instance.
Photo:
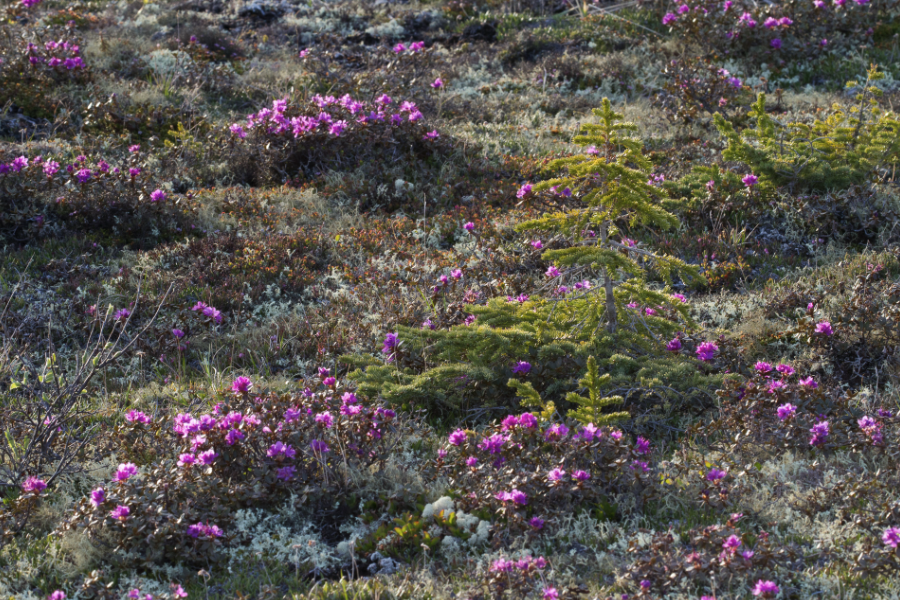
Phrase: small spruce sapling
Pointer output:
(614, 188)
(558, 333)
(589, 409)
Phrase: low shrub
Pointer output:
(174, 496)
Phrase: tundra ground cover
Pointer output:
(454, 299)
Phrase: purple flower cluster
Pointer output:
(514, 496)
(33, 485)
(819, 433)
(328, 116)
(201, 530)
(207, 311)
(707, 351)
(58, 56)
(503, 565)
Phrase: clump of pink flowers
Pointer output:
(707, 351)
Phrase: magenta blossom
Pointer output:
(510, 422)
(120, 512)
(732, 544)
(750, 180)
(470, 227)
(766, 589)
(33, 485)
(458, 437)
(391, 342)
(715, 475)
(824, 328)
(279, 450)
(125, 471)
(319, 447)
(157, 196)
(98, 497)
(785, 370)
(493, 444)
(207, 457)
(891, 537)
(580, 475)
(809, 382)
(707, 351)
(528, 420)
(674, 345)
(556, 474)
(642, 446)
(819, 433)
(519, 497)
(522, 367)
(556, 431)
(136, 416)
(786, 411)
(241, 385)
(763, 367)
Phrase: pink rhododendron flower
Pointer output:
(120, 512)
(786, 411)
(241, 385)
(125, 471)
(766, 589)
(707, 351)
(33, 485)
(891, 537)
(98, 497)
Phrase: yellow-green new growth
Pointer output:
(590, 409)
(614, 187)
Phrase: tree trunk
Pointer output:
(611, 313)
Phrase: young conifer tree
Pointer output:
(623, 321)
(613, 184)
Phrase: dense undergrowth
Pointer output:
(461, 299)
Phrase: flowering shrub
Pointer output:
(30, 69)
(40, 197)
(774, 32)
(858, 341)
(782, 409)
(248, 452)
(707, 559)
(304, 139)
(525, 476)
(695, 88)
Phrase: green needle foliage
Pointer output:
(848, 147)
(614, 189)
(623, 322)
(589, 410)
